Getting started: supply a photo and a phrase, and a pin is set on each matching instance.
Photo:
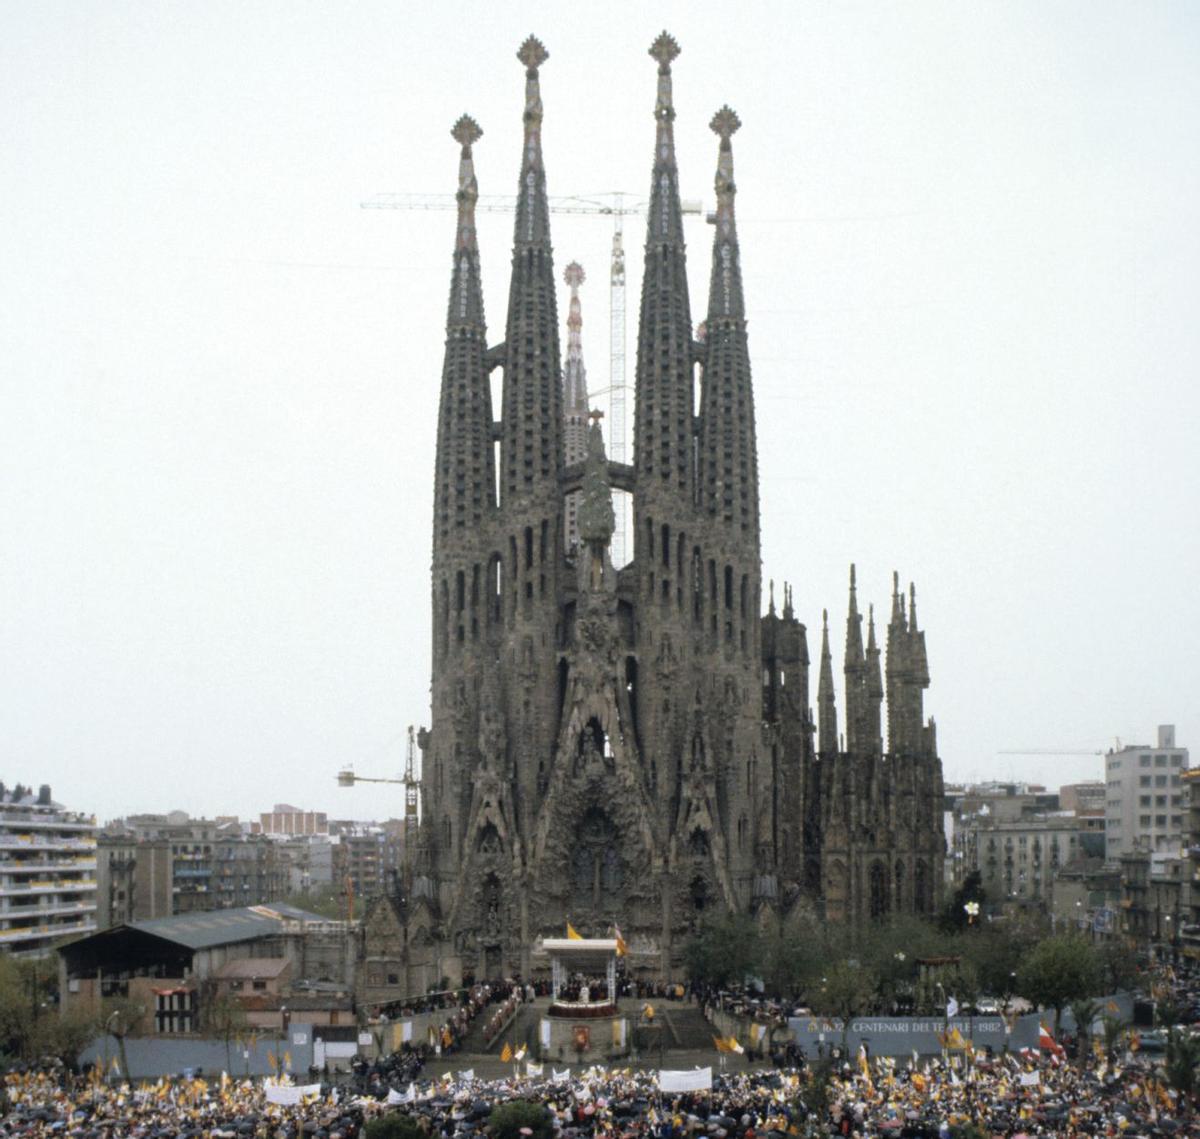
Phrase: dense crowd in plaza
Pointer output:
(1008, 1097)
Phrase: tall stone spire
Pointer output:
(666, 211)
(897, 641)
(873, 690)
(827, 738)
(920, 662)
(533, 422)
(728, 451)
(464, 479)
(533, 211)
(575, 398)
(466, 294)
(854, 668)
(663, 423)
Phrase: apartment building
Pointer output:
(155, 866)
(47, 871)
(1145, 805)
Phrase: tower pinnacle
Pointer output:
(575, 397)
(533, 222)
(827, 740)
(664, 422)
(533, 54)
(466, 293)
(466, 132)
(666, 216)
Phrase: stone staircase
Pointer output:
(521, 1030)
(686, 1027)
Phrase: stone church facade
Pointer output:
(635, 746)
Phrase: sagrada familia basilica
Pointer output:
(635, 747)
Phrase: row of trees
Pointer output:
(30, 1023)
(839, 970)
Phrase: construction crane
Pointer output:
(618, 206)
(347, 777)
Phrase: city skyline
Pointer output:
(970, 267)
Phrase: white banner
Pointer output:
(290, 1096)
(465, 1075)
(533, 1070)
(546, 1032)
(394, 1096)
(696, 1080)
(560, 1077)
(406, 1031)
(1030, 1079)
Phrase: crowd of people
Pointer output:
(1008, 1097)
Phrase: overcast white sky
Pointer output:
(970, 241)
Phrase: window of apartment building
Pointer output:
(1144, 822)
(1143, 761)
(1174, 780)
(1160, 800)
(1144, 781)
(1160, 781)
(1176, 801)
(1176, 761)
(1160, 761)
(1144, 800)
(1160, 821)
(1176, 822)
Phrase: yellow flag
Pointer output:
(506, 1053)
(721, 1043)
(572, 933)
(622, 948)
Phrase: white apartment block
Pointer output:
(1145, 799)
(47, 872)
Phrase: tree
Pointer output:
(813, 1095)
(27, 999)
(508, 1120)
(727, 949)
(1168, 1012)
(1059, 970)
(1118, 965)
(394, 1125)
(1084, 1010)
(225, 1018)
(65, 1035)
(121, 1018)
(1183, 1065)
(1113, 1030)
(955, 915)
(891, 951)
(996, 950)
(845, 991)
(791, 955)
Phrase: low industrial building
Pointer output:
(174, 968)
